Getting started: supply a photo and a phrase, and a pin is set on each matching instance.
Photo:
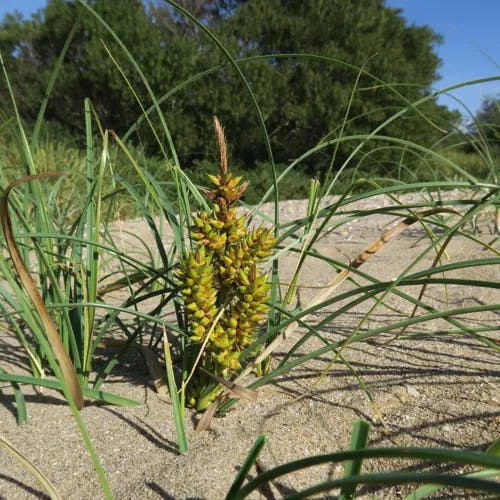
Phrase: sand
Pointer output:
(442, 391)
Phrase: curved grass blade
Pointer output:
(44, 482)
(398, 478)
(249, 462)
(385, 479)
(177, 173)
(246, 84)
(142, 76)
(67, 370)
(262, 125)
(427, 489)
(51, 83)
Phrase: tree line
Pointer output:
(318, 70)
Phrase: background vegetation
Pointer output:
(319, 70)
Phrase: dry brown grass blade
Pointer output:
(394, 231)
(210, 412)
(60, 353)
(237, 390)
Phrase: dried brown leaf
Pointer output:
(60, 353)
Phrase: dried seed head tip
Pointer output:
(221, 143)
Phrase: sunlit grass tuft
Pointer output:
(65, 232)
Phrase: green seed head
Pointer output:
(220, 273)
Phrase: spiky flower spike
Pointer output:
(225, 294)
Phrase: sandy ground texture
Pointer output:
(442, 391)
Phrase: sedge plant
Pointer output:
(224, 290)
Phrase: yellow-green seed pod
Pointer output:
(215, 179)
(243, 277)
(199, 331)
(192, 306)
(199, 314)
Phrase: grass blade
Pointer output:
(386, 478)
(41, 478)
(22, 415)
(51, 83)
(97, 394)
(249, 462)
(359, 439)
(177, 408)
(67, 370)
(427, 489)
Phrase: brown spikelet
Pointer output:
(221, 143)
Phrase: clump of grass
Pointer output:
(218, 313)
(359, 451)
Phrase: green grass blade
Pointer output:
(359, 439)
(148, 217)
(398, 478)
(141, 75)
(427, 489)
(22, 414)
(249, 462)
(177, 409)
(365, 335)
(494, 449)
(384, 479)
(246, 84)
(50, 85)
(106, 397)
(275, 292)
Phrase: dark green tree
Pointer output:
(487, 119)
(31, 48)
(304, 100)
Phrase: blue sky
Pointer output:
(471, 47)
